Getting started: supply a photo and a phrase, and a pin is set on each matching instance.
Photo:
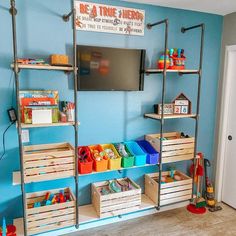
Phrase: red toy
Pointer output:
(11, 230)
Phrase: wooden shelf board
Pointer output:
(44, 67)
(107, 171)
(17, 178)
(158, 117)
(88, 215)
(158, 71)
(28, 126)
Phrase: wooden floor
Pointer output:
(173, 223)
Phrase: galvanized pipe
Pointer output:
(183, 30)
(13, 12)
(149, 26)
(76, 112)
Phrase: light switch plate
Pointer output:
(25, 136)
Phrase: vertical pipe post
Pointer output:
(13, 12)
(162, 111)
(75, 71)
(149, 26)
(183, 30)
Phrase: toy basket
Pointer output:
(152, 154)
(48, 162)
(172, 192)
(50, 217)
(136, 150)
(175, 148)
(118, 203)
(127, 161)
(85, 162)
(102, 165)
(113, 164)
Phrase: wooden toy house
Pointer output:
(182, 105)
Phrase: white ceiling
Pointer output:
(220, 7)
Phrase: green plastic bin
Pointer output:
(126, 162)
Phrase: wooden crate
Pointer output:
(170, 192)
(48, 162)
(52, 217)
(115, 203)
(174, 148)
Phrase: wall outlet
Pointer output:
(25, 136)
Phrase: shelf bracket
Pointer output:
(13, 10)
(66, 17)
(149, 26)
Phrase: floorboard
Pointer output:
(177, 222)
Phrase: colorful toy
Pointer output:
(62, 197)
(168, 109)
(175, 59)
(182, 105)
(161, 62)
(47, 196)
(113, 186)
(84, 154)
(172, 177)
(198, 206)
(110, 153)
(7, 230)
(30, 61)
(51, 199)
(37, 204)
(209, 190)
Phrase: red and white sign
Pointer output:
(109, 19)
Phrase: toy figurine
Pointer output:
(175, 59)
(162, 61)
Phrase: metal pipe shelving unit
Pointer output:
(16, 68)
(182, 72)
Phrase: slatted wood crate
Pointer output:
(48, 162)
(175, 148)
(115, 204)
(170, 192)
(52, 217)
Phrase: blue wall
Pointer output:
(105, 116)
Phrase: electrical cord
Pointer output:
(3, 140)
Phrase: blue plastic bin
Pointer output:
(152, 154)
(137, 151)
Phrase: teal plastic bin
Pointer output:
(136, 150)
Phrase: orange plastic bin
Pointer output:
(113, 164)
(102, 165)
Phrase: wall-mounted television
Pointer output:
(110, 69)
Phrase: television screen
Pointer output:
(110, 69)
